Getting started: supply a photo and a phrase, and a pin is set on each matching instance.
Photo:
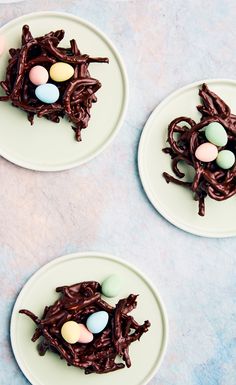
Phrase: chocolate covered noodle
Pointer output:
(76, 303)
(209, 180)
(76, 94)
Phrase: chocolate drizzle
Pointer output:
(76, 303)
(209, 179)
(76, 95)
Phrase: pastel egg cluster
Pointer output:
(47, 92)
(208, 152)
(74, 332)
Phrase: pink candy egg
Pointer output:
(2, 44)
(38, 75)
(85, 335)
(206, 152)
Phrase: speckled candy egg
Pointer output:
(216, 134)
(47, 93)
(2, 44)
(206, 152)
(85, 335)
(225, 159)
(71, 332)
(38, 75)
(111, 286)
(60, 72)
(96, 322)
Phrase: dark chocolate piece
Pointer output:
(209, 179)
(76, 94)
(76, 303)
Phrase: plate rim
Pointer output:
(36, 275)
(141, 169)
(34, 167)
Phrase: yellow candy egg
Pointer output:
(71, 331)
(60, 72)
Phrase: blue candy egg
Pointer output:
(47, 93)
(96, 322)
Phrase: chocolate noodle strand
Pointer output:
(76, 94)
(77, 302)
(209, 180)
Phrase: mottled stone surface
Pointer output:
(101, 205)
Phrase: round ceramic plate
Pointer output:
(48, 146)
(39, 291)
(174, 202)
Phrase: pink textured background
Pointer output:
(101, 205)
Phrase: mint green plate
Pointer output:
(48, 146)
(174, 202)
(146, 355)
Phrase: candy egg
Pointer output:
(38, 75)
(85, 335)
(71, 331)
(216, 134)
(206, 152)
(47, 93)
(60, 72)
(2, 44)
(96, 322)
(111, 286)
(225, 159)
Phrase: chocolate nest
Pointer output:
(76, 303)
(76, 95)
(209, 179)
